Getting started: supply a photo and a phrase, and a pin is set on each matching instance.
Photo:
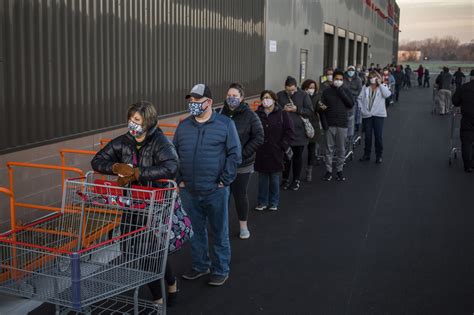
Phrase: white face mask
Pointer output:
(373, 80)
(310, 91)
(267, 102)
(338, 83)
(329, 77)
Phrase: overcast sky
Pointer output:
(420, 19)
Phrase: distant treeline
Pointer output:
(446, 48)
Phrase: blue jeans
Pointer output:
(268, 189)
(213, 209)
(373, 125)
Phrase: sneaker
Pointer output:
(285, 184)
(260, 208)
(378, 160)
(327, 177)
(309, 174)
(295, 185)
(244, 234)
(273, 208)
(217, 280)
(194, 274)
(340, 177)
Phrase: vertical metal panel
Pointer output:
(71, 67)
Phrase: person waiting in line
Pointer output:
(464, 98)
(141, 156)
(459, 77)
(250, 133)
(209, 150)
(312, 88)
(398, 76)
(354, 84)
(360, 73)
(420, 72)
(298, 104)
(408, 74)
(371, 102)
(426, 80)
(269, 163)
(335, 102)
(326, 79)
(444, 83)
(389, 80)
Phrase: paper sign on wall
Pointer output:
(273, 46)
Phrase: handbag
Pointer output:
(308, 127)
(181, 227)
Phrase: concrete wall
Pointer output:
(287, 20)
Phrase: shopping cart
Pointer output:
(455, 141)
(70, 258)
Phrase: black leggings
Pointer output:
(155, 286)
(296, 162)
(238, 189)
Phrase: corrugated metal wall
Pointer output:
(69, 67)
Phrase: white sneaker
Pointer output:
(260, 207)
(273, 208)
(244, 234)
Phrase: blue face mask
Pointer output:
(233, 102)
(350, 73)
(196, 108)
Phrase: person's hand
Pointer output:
(290, 108)
(379, 81)
(221, 185)
(123, 181)
(122, 169)
(322, 106)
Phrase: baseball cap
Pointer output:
(199, 91)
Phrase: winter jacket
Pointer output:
(355, 86)
(314, 118)
(398, 75)
(378, 108)
(156, 158)
(444, 80)
(458, 76)
(338, 102)
(249, 128)
(278, 130)
(303, 103)
(209, 153)
(464, 97)
(420, 72)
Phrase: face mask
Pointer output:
(373, 80)
(135, 129)
(358, 69)
(367, 73)
(385, 72)
(310, 91)
(267, 102)
(329, 76)
(338, 83)
(350, 73)
(196, 108)
(233, 102)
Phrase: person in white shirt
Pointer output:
(371, 102)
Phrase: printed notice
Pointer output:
(273, 46)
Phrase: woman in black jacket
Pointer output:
(296, 103)
(250, 133)
(142, 155)
(312, 88)
(278, 130)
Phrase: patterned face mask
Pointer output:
(135, 129)
(267, 102)
(233, 102)
(196, 108)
